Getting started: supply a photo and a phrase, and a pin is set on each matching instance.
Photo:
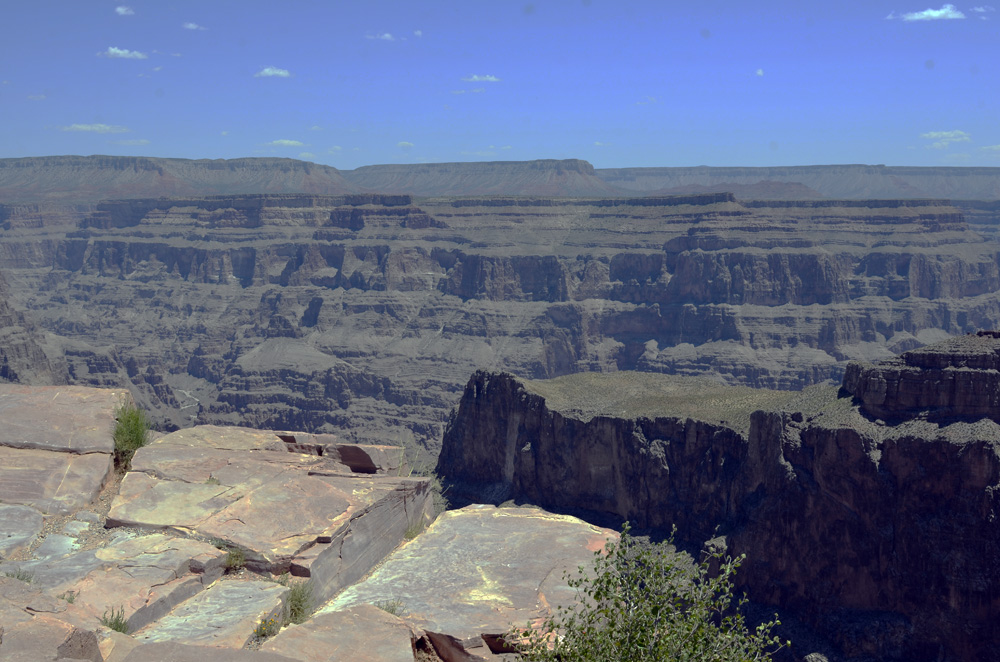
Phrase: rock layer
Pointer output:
(880, 534)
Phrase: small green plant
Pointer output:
(22, 575)
(115, 620)
(268, 627)
(643, 603)
(414, 529)
(212, 480)
(68, 596)
(283, 578)
(394, 607)
(299, 602)
(130, 434)
(236, 558)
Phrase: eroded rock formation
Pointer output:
(365, 313)
(880, 531)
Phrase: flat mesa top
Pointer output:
(651, 395)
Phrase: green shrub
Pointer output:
(130, 434)
(68, 596)
(22, 575)
(236, 558)
(640, 603)
(299, 602)
(394, 607)
(415, 529)
(115, 620)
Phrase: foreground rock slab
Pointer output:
(70, 419)
(363, 633)
(478, 570)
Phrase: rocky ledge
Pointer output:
(881, 534)
(959, 378)
(197, 549)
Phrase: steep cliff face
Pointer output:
(22, 357)
(880, 534)
(381, 307)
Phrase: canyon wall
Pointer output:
(364, 314)
(881, 534)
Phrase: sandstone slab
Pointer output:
(19, 525)
(224, 615)
(311, 513)
(175, 652)
(45, 638)
(77, 419)
(53, 483)
(478, 570)
(363, 633)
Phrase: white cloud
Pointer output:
(130, 142)
(943, 139)
(505, 147)
(315, 127)
(598, 143)
(286, 143)
(306, 155)
(122, 10)
(646, 102)
(759, 72)
(224, 133)
(946, 12)
(268, 72)
(404, 145)
(477, 78)
(458, 91)
(96, 128)
(334, 149)
(124, 53)
(418, 33)
(991, 148)
(194, 26)
(36, 97)
(382, 36)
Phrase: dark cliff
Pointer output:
(881, 534)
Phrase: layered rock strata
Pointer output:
(879, 531)
(364, 314)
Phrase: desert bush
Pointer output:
(394, 607)
(21, 575)
(268, 627)
(115, 620)
(641, 602)
(130, 434)
(299, 602)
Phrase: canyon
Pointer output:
(364, 313)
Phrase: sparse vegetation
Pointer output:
(130, 434)
(642, 602)
(212, 480)
(115, 620)
(236, 558)
(268, 627)
(19, 574)
(299, 602)
(394, 607)
(68, 596)
(415, 529)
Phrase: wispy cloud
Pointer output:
(334, 149)
(306, 155)
(315, 127)
(136, 142)
(759, 72)
(124, 53)
(402, 144)
(946, 12)
(194, 26)
(37, 97)
(418, 33)
(122, 10)
(598, 143)
(479, 78)
(286, 143)
(96, 128)
(646, 101)
(943, 139)
(382, 36)
(268, 72)
(991, 148)
(983, 11)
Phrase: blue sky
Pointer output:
(618, 83)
